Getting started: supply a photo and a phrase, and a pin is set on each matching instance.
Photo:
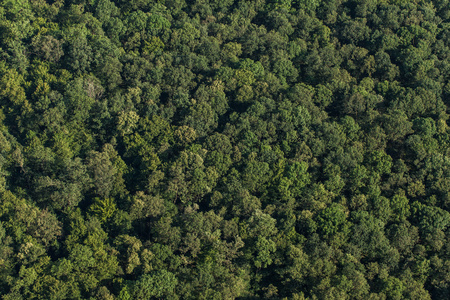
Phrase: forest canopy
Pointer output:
(234, 149)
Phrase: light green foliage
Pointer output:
(264, 249)
(103, 209)
(127, 121)
(244, 77)
(400, 207)
(12, 90)
(159, 284)
(393, 288)
(144, 206)
(232, 51)
(296, 178)
(153, 45)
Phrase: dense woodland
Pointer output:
(233, 149)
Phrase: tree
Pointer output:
(103, 173)
(48, 48)
(78, 51)
(400, 207)
(430, 218)
(103, 209)
(332, 221)
(159, 284)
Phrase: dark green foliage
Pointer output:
(176, 149)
